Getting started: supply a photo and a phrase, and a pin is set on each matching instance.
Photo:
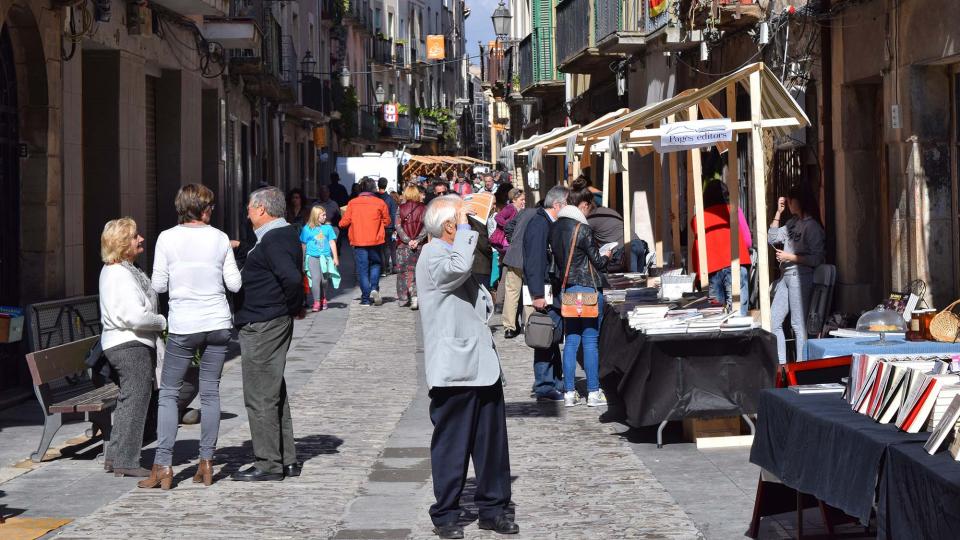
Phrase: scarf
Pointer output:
(143, 281)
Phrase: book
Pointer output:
(823, 388)
(946, 426)
(917, 409)
(955, 445)
(479, 205)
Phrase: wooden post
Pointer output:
(733, 186)
(627, 219)
(606, 179)
(674, 206)
(759, 195)
(696, 175)
(657, 201)
(689, 216)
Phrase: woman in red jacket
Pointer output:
(411, 235)
(716, 220)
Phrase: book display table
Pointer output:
(832, 347)
(658, 378)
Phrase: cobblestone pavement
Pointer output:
(363, 433)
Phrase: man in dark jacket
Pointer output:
(337, 192)
(538, 272)
(388, 253)
(483, 254)
(273, 295)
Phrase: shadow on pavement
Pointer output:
(532, 409)
(235, 457)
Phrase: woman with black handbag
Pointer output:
(571, 240)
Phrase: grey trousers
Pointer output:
(178, 357)
(317, 281)
(792, 295)
(263, 349)
(134, 363)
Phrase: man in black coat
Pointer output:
(273, 296)
(538, 272)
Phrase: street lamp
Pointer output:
(344, 77)
(307, 65)
(379, 93)
(501, 20)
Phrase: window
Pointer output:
(377, 19)
(390, 24)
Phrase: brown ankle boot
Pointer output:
(204, 472)
(160, 475)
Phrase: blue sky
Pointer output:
(479, 27)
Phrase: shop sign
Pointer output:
(390, 113)
(320, 136)
(435, 47)
(693, 134)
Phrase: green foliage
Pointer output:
(348, 104)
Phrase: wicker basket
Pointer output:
(945, 326)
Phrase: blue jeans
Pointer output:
(546, 363)
(577, 330)
(721, 288)
(368, 270)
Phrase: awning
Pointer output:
(439, 164)
(556, 133)
(777, 106)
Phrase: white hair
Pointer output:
(271, 199)
(439, 211)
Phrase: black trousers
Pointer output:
(469, 422)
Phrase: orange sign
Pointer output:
(320, 136)
(435, 47)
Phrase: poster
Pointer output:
(390, 113)
(435, 47)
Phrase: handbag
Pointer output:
(578, 304)
(945, 326)
(540, 332)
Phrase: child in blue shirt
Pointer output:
(319, 241)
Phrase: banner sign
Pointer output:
(390, 113)
(435, 47)
(694, 134)
(657, 7)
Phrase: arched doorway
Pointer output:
(9, 176)
(29, 197)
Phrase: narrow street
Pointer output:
(360, 412)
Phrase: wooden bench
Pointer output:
(62, 385)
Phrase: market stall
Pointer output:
(437, 165)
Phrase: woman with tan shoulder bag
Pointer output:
(573, 245)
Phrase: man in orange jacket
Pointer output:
(367, 216)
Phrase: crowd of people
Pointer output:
(551, 258)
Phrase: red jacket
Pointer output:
(366, 216)
(716, 223)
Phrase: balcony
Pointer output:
(402, 130)
(399, 54)
(576, 49)
(317, 95)
(620, 25)
(538, 71)
(208, 8)
(382, 51)
(369, 124)
(234, 33)
(330, 9)
(289, 65)
(725, 14)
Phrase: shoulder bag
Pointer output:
(578, 304)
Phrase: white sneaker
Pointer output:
(596, 399)
(570, 399)
(413, 304)
(375, 296)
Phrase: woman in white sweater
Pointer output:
(131, 326)
(194, 263)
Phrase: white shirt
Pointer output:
(127, 312)
(193, 263)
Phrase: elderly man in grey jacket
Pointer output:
(463, 374)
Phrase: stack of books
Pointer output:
(945, 427)
(881, 386)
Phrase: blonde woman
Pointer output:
(318, 239)
(131, 326)
(411, 236)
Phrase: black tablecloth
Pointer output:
(817, 444)
(919, 494)
(670, 377)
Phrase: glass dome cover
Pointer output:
(881, 320)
